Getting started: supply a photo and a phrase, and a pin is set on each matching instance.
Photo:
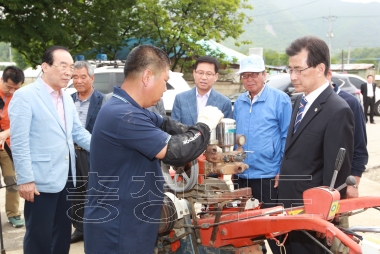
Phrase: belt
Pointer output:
(79, 148)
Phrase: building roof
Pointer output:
(347, 67)
(7, 63)
(32, 73)
(231, 55)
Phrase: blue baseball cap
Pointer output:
(252, 63)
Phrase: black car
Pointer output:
(283, 83)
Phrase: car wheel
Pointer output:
(377, 108)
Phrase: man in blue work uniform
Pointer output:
(125, 183)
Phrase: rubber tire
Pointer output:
(377, 108)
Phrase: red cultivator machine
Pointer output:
(233, 222)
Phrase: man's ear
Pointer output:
(146, 76)
(216, 76)
(321, 69)
(44, 66)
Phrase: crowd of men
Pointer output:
(73, 154)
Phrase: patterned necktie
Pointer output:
(299, 113)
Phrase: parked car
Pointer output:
(283, 83)
(357, 81)
(107, 77)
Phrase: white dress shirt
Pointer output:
(311, 97)
(369, 90)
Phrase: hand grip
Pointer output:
(338, 165)
(339, 159)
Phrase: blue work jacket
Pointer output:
(265, 125)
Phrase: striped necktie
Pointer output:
(299, 113)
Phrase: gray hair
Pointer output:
(85, 64)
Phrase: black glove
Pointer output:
(186, 147)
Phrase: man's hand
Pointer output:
(210, 116)
(28, 190)
(276, 181)
(351, 191)
(3, 137)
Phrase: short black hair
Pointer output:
(145, 56)
(47, 57)
(318, 51)
(13, 73)
(370, 75)
(207, 59)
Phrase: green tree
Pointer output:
(274, 58)
(361, 55)
(177, 26)
(81, 25)
(4, 52)
(104, 26)
(19, 60)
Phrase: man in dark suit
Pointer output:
(87, 101)
(321, 124)
(368, 91)
(188, 104)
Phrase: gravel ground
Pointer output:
(373, 174)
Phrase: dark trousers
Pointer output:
(263, 190)
(83, 167)
(47, 221)
(369, 102)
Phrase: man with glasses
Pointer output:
(11, 80)
(187, 105)
(87, 101)
(262, 114)
(321, 124)
(44, 127)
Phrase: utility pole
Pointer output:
(349, 52)
(10, 53)
(330, 34)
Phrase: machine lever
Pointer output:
(349, 182)
(338, 165)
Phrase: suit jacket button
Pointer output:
(67, 157)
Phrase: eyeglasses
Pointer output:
(297, 72)
(248, 75)
(208, 74)
(64, 67)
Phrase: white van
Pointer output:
(107, 77)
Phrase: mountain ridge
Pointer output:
(277, 23)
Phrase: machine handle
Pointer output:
(349, 182)
(338, 165)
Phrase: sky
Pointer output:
(361, 1)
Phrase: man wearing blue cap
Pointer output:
(262, 114)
